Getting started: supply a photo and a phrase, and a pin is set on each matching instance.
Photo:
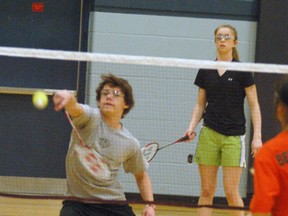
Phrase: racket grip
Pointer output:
(183, 138)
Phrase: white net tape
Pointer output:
(140, 60)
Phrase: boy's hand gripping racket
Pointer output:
(89, 158)
(150, 150)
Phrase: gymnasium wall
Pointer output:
(33, 142)
(164, 97)
(158, 115)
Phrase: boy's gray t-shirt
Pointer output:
(116, 146)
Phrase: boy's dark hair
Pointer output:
(123, 84)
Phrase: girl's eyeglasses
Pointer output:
(220, 37)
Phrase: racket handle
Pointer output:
(67, 115)
(177, 141)
(183, 138)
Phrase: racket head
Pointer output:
(92, 162)
(149, 150)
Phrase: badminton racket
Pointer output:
(88, 158)
(150, 150)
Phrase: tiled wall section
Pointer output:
(164, 96)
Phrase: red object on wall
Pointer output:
(38, 7)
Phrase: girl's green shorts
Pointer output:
(220, 150)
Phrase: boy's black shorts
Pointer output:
(76, 208)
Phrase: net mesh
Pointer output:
(34, 142)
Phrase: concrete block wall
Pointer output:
(164, 96)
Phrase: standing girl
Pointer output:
(220, 103)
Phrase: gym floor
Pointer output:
(48, 207)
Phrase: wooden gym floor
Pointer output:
(46, 207)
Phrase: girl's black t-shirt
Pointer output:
(225, 95)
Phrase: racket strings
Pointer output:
(89, 158)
